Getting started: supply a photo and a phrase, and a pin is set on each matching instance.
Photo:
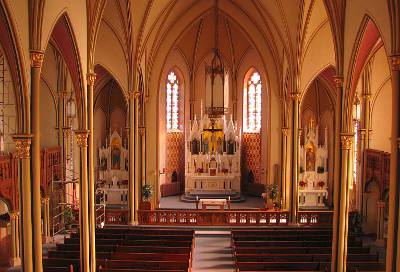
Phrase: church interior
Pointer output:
(199, 135)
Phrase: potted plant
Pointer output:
(68, 217)
(147, 192)
(272, 192)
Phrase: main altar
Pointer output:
(313, 184)
(213, 157)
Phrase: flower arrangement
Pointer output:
(302, 184)
(320, 169)
(272, 190)
(321, 183)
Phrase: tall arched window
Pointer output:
(172, 102)
(252, 103)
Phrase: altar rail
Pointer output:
(213, 217)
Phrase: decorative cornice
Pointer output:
(395, 61)
(36, 59)
(295, 96)
(346, 140)
(91, 78)
(23, 145)
(338, 81)
(81, 137)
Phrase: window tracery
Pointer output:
(252, 103)
(172, 103)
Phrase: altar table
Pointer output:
(221, 203)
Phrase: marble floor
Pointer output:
(213, 252)
(174, 202)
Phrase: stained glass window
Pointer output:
(172, 105)
(252, 104)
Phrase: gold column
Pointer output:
(142, 133)
(131, 190)
(81, 139)
(36, 66)
(22, 145)
(393, 243)
(68, 188)
(294, 198)
(285, 186)
(138, 182)
(15, 250)
(61, 114)
(46, 219)
(91, 77)
(341, 205)
(380, 230)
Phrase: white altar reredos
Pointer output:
(313, 177)
(213, 157)
(113, 171)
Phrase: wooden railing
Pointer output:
(116, 216)
(312, 218)
(213, 217)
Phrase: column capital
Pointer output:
(346, 140)
(285, 131)
(91, 78)
(14, 215)
(81, 137)
(36, 59)
(295, 96)
(62, 93)
(338, 79)
(67, 131)
(142, 130)
(23, 145)
(134, 94)
(395, 62)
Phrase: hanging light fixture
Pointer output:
(71, 109)
(215, 79)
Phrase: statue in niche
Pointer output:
(310, 159)
(115, 159)
(103, 164)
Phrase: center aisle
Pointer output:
(213, 251)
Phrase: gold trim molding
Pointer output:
(91, 78)
(81, 137)
(23, 145)
(36, 59)
(395, 61)
(346, 140)
(14, 215)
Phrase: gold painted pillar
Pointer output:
(342, 177)
(36, 66)
(285, 186)
(138, 181)
(380, 230)
(60, 128)
(393, 242)
(91, 77)
(46, 218)
(294, 195)
(84, 235)
(15, 240)
(22, 145)
(142, 133)
(131, 187)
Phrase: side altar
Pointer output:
(313, 184)
(213, 157)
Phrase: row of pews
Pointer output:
(128, 249)
(296, 249)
